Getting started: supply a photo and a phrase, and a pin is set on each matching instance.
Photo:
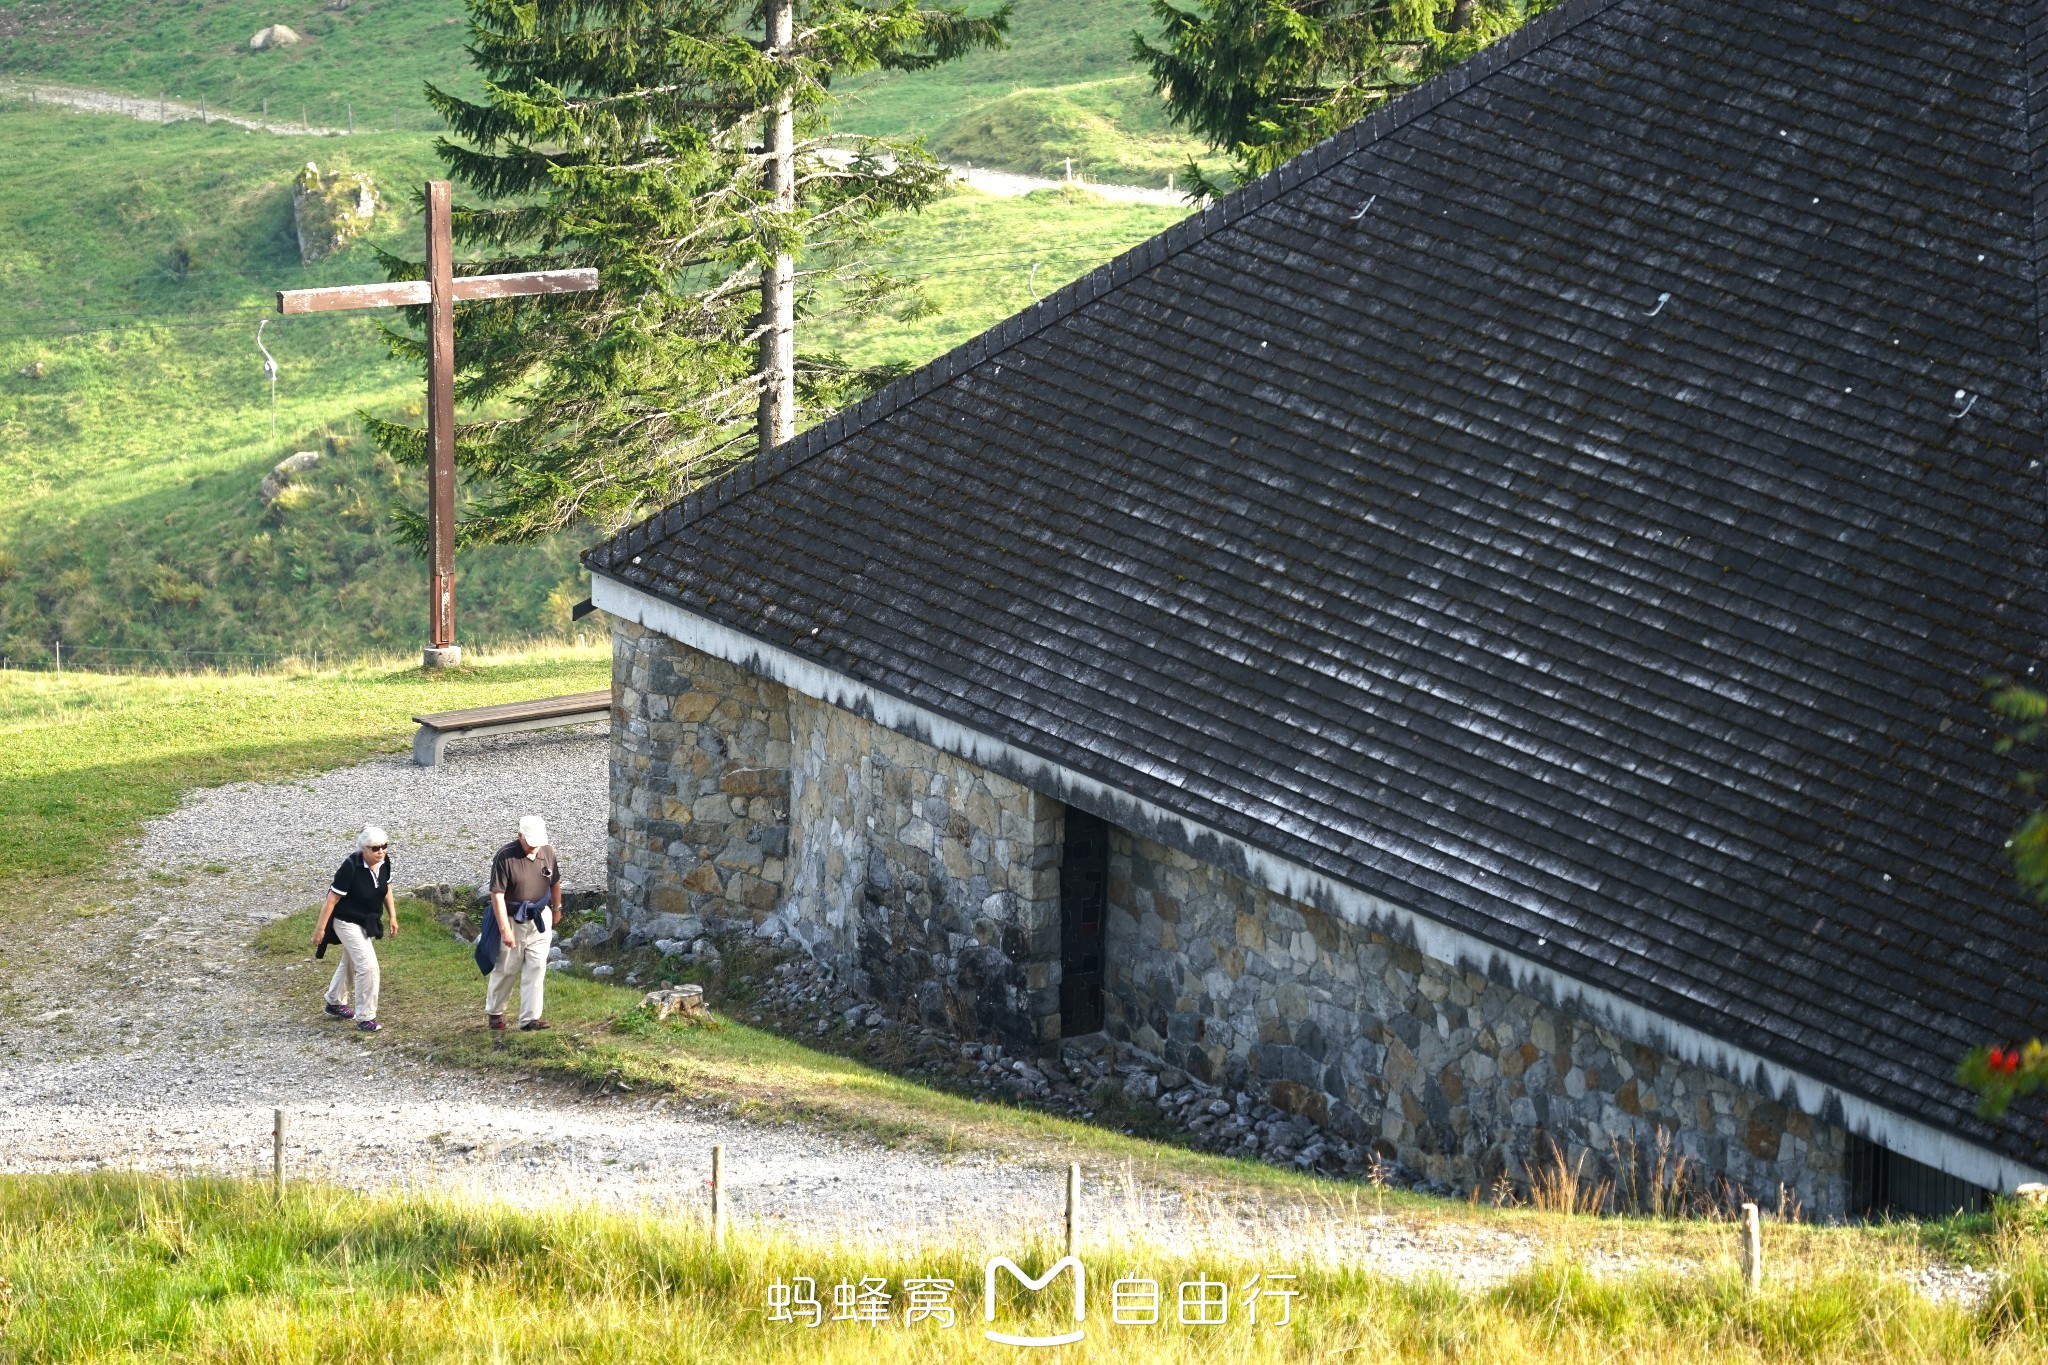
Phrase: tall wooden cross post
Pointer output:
(441, 291)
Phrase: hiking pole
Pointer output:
(277, 1153)
(718, 1195)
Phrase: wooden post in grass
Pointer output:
(1752, 1251)
(277, 1152)
(440, 291)
(718, 1195)
(1073, 1208)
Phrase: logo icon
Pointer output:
(988, 1299)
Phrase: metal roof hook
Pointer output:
(1968, 400)
(1032, 283)
(1364, 208)
(1662, 299)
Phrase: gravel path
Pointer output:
(135, 1037)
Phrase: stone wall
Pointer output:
(1456, 1076)
(925, 883)
(699, 829)
(929, 885)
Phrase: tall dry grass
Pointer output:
(130, 1268)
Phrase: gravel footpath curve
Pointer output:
(135, 1038)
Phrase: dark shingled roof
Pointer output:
(1542, 505)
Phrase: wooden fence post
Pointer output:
(277, 1153)
(718, 1195)
(1073, 1208)
(1752, 1250)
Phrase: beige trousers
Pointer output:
(526, 964)
(356, 977)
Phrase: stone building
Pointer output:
(1476, 639)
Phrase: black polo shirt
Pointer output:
(362, 894)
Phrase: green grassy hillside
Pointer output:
(135, 428)
(370, 54)
(1065, 85)
(135, 424)
(971, 258)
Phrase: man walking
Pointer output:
(357, 902)
(526, 900)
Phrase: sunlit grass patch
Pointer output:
(127, 1268)
(85, 758)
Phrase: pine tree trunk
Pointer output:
(777, 368)
(1461, 16)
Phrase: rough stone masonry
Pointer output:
(925, 883)
(931, 886)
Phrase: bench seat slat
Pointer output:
(505, 712)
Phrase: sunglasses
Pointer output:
(375, 848)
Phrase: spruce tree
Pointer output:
(628, 135)
(1264, 80)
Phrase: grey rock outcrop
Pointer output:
(280, 476)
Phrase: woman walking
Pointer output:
(352, 916)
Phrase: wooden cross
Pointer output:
(441, 291)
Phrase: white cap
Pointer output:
(534, 830)
(371, 835)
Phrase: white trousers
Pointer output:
(525, 963)
(357, 977)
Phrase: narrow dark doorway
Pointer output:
(1884, 1184)
(1084, 904)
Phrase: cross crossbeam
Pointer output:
(441, 291)
(412, 293)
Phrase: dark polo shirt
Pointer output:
(519, 878)
(362, 895)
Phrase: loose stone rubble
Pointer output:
(1092, 1078)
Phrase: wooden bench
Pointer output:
(506, 718)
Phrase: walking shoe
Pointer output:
(369, 1026)
(497, 1020)
(534, 1026)
(341, 1011)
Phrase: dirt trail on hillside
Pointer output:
(137, 1038)
(152, 111)
(1000, 184)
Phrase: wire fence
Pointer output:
(62, 656)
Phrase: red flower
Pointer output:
(1997, 1059)
(2012, 1062)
